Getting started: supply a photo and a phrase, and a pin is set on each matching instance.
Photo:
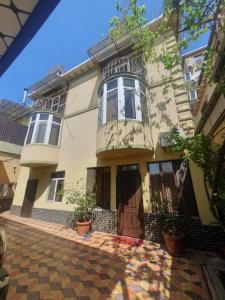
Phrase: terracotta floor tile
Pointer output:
(50, 261)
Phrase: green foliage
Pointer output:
(188, 18)
(81, 201)
(169, 219)
(204, 154)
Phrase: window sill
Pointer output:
(41, 144)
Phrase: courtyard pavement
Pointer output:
(50, 261)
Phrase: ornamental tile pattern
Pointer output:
(50, 261)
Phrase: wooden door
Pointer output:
(129, 205)
(29, 198)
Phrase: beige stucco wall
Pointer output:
(123, 134)
(168, 105)
(9, 169)
(39, 155)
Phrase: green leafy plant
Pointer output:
(82, 202)
(169, 219)
(189, 19)
(210, 158)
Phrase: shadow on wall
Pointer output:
(43, 175)
(125, 134)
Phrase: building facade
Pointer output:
(106, 122)
(14, 119)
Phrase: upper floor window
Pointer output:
(44, 128)
(187, 76)
(123, 98)
(192, 94)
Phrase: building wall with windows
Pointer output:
(113, 120)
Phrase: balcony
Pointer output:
(132, 65)
(42, 141)
(39, 155)
(50, 104)
(123, 138)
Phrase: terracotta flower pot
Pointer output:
(175, 245)
(83, 227)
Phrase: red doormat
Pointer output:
(125, 240)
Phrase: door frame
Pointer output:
(141, 207)
(27, 202)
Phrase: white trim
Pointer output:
(121, 100)
(48, 129)
(138, 101)
(104, 103)
(54, 179)
(49, 122)
(189, 95)
(185, 76)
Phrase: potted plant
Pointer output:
(173, 237)
(82, 203)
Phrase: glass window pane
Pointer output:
(56, 119)
(29, 136)
(59, 190)
(188, 76)
(112, 85)
(128, 82)
(33, 117)
(100, 111)
(154, 168)
(51, 191)
(129, 104)
(43, 116)
(49, 104)
(59, 174)
(112, 106)
(167, 167)
(54, 135)
(41, 130)
(192, 95)
(144, 108)
(128, 168)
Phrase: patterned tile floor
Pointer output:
(49, 261)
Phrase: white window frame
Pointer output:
(189, 95)
(185, 76)
(121, 99)
(49, 123)
(54, 179)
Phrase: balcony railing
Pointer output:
(11, 131)
(50, 104)
(124, 65)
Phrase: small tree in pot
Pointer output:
(82, 203)
(173, 237)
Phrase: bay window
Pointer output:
(44, 128)
(122, 98)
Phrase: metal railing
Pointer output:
(11, 131)
(50, 104)
(124, 65)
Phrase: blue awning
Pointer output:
(19, 21)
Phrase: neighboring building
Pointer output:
(192, 65)
(20, 20)
(13, 127)
(211, 111)
(106, 121)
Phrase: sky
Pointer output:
(72, 28)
